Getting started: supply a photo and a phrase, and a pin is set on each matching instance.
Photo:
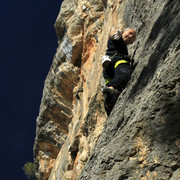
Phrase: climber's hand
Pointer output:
(117, 35)
(132, 61)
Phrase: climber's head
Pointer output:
(129, 35)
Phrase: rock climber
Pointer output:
(116, 63)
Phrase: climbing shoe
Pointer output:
(109, 91)
(110, 98)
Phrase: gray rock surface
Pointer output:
(141, 138)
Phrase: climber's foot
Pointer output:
(110, 90)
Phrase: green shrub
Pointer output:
(29, 170)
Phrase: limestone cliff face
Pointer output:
(140, 139)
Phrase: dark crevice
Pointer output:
(74, 149)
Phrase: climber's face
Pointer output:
(129, 36)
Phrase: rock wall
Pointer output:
(140, 139)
